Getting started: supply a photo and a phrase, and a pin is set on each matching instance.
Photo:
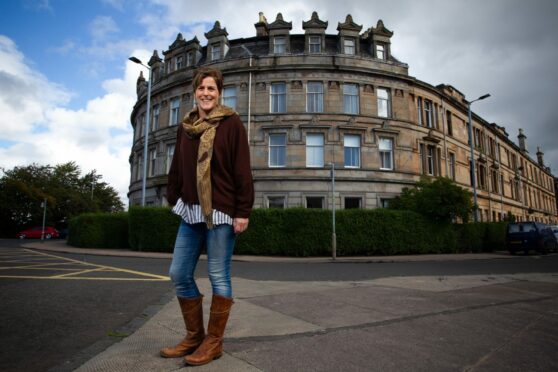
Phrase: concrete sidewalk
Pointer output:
(468, 323)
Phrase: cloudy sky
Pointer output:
(67, 89)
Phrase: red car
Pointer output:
(35, 232)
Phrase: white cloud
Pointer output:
(101, 27)
(85, 135)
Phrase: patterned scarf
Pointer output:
(205, 130)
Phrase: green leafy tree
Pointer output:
(67, 192)
(440, 200)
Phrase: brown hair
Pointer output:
(204, 72)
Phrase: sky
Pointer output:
(67, 88)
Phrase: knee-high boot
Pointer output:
(212, 345)
(192, 312)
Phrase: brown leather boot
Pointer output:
(212, 345)
(192, 312)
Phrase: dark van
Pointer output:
(526, 236)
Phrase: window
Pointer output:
(277, 150)
(315, 202)
(419, 110)
(386, 153)
(155, 121)
(215, 51)
(452, 166)
(179, 61)
(229, 97)
(384, 203)
(449, 124)
(314, 96)
(174, 108)
(350, 98)
(278, 97)
(277, 202)
(314, 150)
(383, 102)
(428, 113)
(139, 170)
(429, 160)
(494, 181)
(352, 150)
(168, 160)
(380, 52)
(152, 162)
(314, 44)
(482, 177)
(189, 59)
(279, 44)
(353, 203)
(349, 46)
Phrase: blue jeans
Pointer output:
(190, 239)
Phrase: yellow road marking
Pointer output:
(75, 274)
(108, 267)
(83, 278)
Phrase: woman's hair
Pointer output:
(204, 72)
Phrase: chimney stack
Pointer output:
(521, 137)
(261, 26)
(540, 158)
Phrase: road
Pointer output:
(88, 302)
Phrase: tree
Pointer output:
(23, 190)
(440, 200)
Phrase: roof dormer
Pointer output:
(349, 36)
(314, 34)
(217, 43)
(380, 41)
(279, 39)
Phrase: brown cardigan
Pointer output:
(231, 175)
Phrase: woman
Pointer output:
(210, 186)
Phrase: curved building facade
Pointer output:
(314, 101)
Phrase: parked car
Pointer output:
(526, 236)
(35, 233)
(554, 229)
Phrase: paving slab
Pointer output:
(476, 323)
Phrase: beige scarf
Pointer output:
(205, 130)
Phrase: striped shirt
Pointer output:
(192, 213)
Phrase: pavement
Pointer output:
(423, 323)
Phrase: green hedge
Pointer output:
(99, 230)
(152, 229)
(297, 232)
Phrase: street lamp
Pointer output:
(147, 124)
(333, 235)
(473, 173)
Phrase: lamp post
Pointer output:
(333, 235)
(147, 124)
(473, 173)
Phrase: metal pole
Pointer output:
(473, 173)
(333, 235)
(147, 127)
(44, 219)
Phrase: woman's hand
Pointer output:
(240, 224)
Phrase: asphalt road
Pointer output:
(95, 300)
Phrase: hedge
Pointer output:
(99, 230)
(152, 229)
(297, 232)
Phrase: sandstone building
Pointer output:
(312, 100)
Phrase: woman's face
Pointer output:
(207, 95)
